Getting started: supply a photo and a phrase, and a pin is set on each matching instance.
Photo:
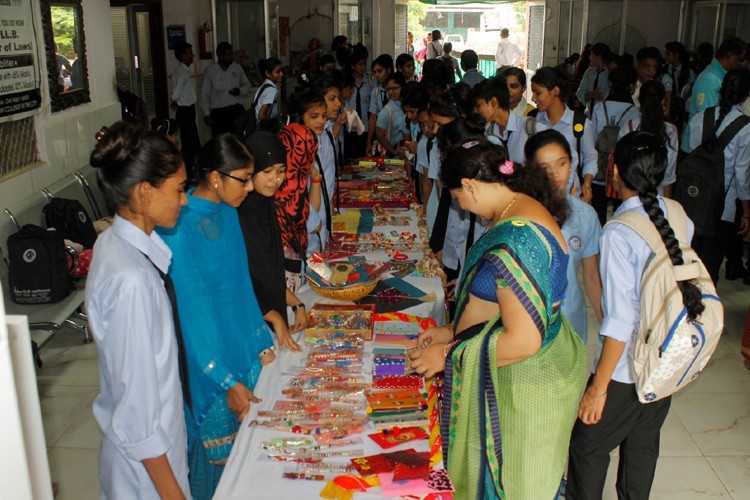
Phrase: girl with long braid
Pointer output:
(609, 414)
(735, 218)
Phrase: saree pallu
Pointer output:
(508, 428)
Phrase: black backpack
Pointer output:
(700, 176)
(246, 123)
(39, 271)
(71, 221)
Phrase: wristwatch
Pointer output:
(301, 305)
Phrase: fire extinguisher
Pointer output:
(206, 41)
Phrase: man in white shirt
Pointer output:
(508, 53)
(183, 104)
(224, 82)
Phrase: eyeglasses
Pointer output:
(393, 89)
(246, 182)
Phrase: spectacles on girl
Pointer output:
(247, 181)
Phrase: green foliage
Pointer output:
(64, 30)
(519, 8)
(417, 13)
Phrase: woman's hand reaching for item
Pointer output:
(430, 360)
(239, 398)
(436, 335)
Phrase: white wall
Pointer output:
(66, 138)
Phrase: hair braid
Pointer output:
(691, 295)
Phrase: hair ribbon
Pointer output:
(470, 144)
(507, 168)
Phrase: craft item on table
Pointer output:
(318, 265)
(388, 361)
(349, 319)
(373, 464)
(324, 436)
(335, 354)
(403, 268)
(302, 475)
(310, 458)
(416, 418)
(278, 444)
(403, 472)
(390, 195)
(286, 442)
(393, 220)
(343, 487)
(394, 294)
(433, 413)
(409, 369)
(388, 438)
(322, 418)
(390, 401)
(317, 395)
(354, 221)
(413, 381)
(387, 330)
(437, 482)
(336, 339)
(340, 273)
(328, 468)
(410, 457)
(399, 317)
(319, 406)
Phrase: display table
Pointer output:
(249, 473)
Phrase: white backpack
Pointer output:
(669, 352)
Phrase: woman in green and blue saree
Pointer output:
(514, 369)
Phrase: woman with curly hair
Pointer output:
(514, 367)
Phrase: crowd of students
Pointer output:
(200, 268)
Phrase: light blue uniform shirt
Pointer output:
(472, 77)
(623, 258)
(365, 95)
(588, 150)
(705, 95)
(139, 408)
(582, 232)
(454, 247)
(270, 96)
(670, 176)
(514, 137)
(377, 95)
(429, 165)
(392, 119)
(618, 113)
(327, 165)
(669, 83)
(736, 159)
(587, 85)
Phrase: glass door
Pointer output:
(133, 30)
(705, 22)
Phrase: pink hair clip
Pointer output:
(507, 168)
(470, 144)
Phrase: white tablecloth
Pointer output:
(250, 474)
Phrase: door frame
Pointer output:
(158, 54)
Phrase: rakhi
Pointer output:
(328, 468)
(302, 475)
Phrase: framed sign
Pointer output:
(19, 68)
(175, 35)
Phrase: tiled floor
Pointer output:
(705, 444)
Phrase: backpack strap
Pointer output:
(709, 124)
(529, 125)
(606, 114)
(732, 129)
(260, 94)
(625, 113)
(579, 125)
(643, 227)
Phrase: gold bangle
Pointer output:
(446, 349)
